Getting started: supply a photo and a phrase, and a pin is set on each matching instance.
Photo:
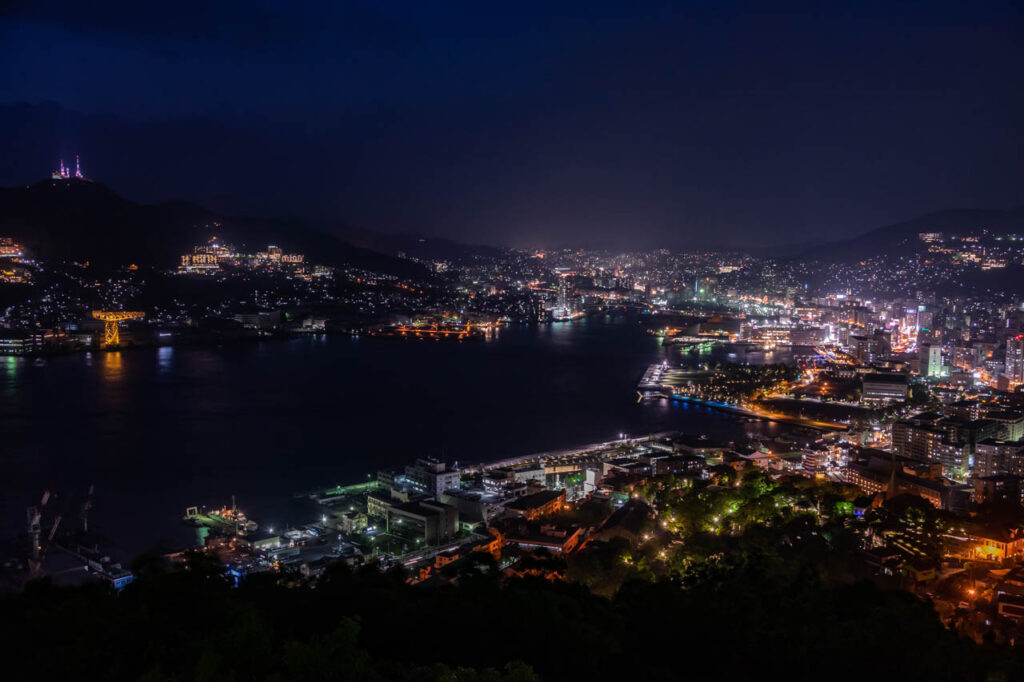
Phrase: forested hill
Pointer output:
(746, 622)
(80, 220)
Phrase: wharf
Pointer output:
(660, 381)
(327, 495)
(540, 457)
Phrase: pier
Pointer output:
(661, 381)
(542, 457)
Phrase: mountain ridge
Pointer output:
(951, 221)
(82, 220)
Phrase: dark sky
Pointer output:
(529, 123)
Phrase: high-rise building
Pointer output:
(929, 360)
(1015, 359)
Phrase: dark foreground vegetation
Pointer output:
(741, 622)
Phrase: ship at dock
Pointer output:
(224, 521)
(565, 314)
(432, 332)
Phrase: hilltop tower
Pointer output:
(64, 172)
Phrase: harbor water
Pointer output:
(159, 429)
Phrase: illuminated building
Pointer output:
(814, 459)
(772, 336)
(274, 255)
(548, 536)
(538, 504)
(432, 477)
(208, 257)
(15, 274)
(861, 348)
(1010, 590)
(998, 544)
(199, 262)
(264, 320)
(323, 271)
(992, 457)
(379, 501)
(563, 306)
(1011, 424)
(1015, 359)
(965, 357)
(917, 439)
(20, 341)
(425, 521)
(997, 489)
(929, 360)
(882, 388)
(876, 474)
(806, 336)
(9, 248)
(955, 459)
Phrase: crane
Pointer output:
(35, 517)
(86, 506)
(111, 318)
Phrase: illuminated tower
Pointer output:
(64, 172)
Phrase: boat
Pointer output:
(565, 314)
(230, 519)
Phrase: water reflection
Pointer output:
(534, 388)
(112, 366)
(11, 366)
(164, 356)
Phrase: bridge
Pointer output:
(111, 319)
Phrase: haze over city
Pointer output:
(623, 125)
(437, 342)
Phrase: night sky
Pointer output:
(632, 124)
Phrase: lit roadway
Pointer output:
(801, 421)
(765, 414)
(559, 454)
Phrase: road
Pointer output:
(555, 454)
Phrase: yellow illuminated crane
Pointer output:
(111, 336)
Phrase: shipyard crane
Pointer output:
(36, 565)
(86, 506)
(111, 319)
(34, 516)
